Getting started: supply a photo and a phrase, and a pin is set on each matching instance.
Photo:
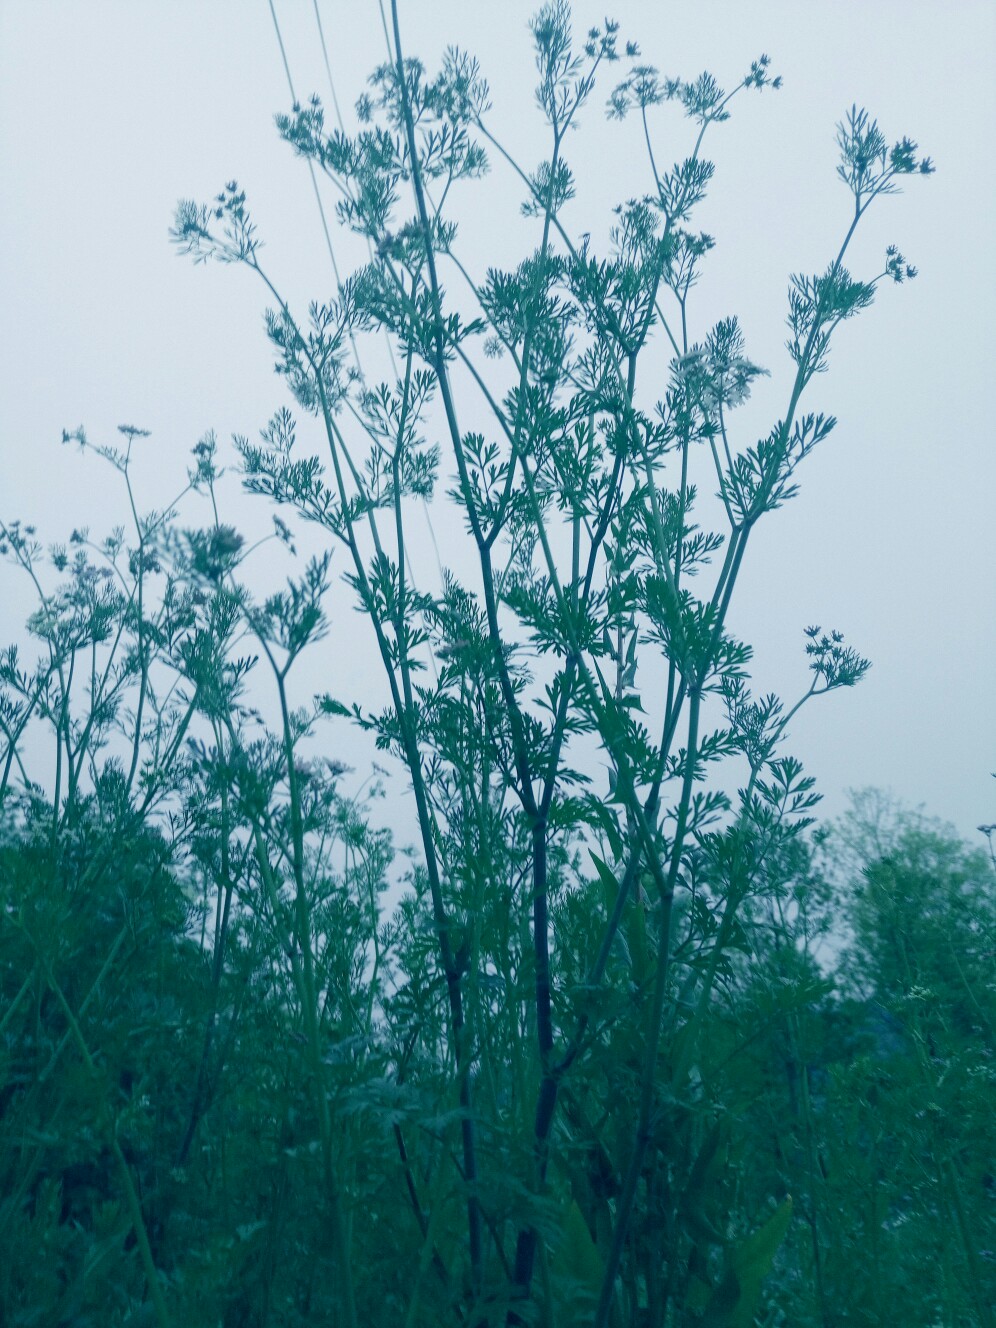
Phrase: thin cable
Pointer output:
(311, 167)
(283, 53)
(387, 39)
(328, 241)
(387, 335)
(342, 126)
(328, 68)
(425, 505)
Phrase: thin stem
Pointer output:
(127, 1184)
(644, 1133)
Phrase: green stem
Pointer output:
(127, 1184)
(648, 1079)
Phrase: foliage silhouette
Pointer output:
(591, 1063)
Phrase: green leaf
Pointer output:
(697, 1191)
(636, 934)
(328, 705)
(578, 1258)
(734, 1301)
(610, 886)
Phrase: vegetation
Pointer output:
(614, 1045)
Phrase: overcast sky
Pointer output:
(111, 111)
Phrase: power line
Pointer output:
(342, 126)
(328, 69)
(387, 39)
(387, 335)
(328, 240)
(311, 167)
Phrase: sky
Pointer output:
(112, 110)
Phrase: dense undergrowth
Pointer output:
(626, 1039)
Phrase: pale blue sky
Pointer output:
(111, 110)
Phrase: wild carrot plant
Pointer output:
(579, 926)
(573, 1075)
